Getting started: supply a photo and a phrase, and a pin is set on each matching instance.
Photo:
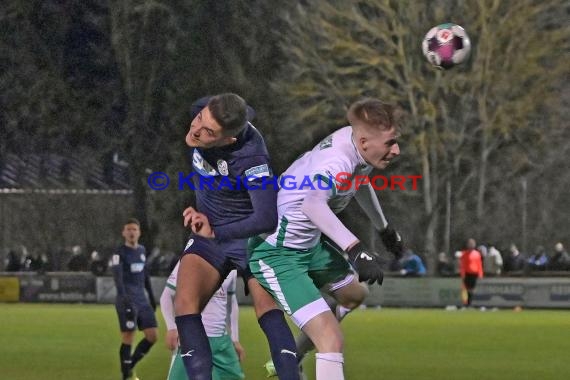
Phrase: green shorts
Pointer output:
(294, 277)
(224, 357)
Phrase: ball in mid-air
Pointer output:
(446, 45)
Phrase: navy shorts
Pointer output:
(224, 255)
(144, 317)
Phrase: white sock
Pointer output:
(330, 366)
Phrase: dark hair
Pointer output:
(374, 113)
(230, 111)
(133, 221)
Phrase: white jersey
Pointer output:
(331, 164)
(215, 314)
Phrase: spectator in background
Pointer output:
(14, 263)
(78, 261)
(560, 260)
(445, 267)
(493, 262)
(482, 248)
(471, 269)
(412, 265)
(34, 262)
(46, 264)
(515, 262)
(539, 260)
(98, 265)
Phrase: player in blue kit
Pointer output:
(133, 307)
(230, 161)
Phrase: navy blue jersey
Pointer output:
(224, 174)
(129, 271)
(222, 179)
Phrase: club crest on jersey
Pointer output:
(223, 167)
(325, 143)
(143, 257)
(202, 166)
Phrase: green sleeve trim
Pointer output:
(326, 183)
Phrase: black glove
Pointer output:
(153, 304)
(392, 241)
(367, 264)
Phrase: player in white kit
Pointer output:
(220, 318)
(293, 264)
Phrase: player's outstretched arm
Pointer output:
(367, 200)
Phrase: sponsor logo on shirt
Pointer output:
(137, 267)
(257, 172)
(202, 166)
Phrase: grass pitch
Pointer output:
(59, 342)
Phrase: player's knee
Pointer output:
(333, 342)
(263, 305)
(353, 296)
(356, 299)
(127, 337)
(184, 304)
(151, 335)
(324, 330)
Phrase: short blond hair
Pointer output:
(375, 114)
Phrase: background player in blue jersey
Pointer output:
(229, 158)
(133, 307)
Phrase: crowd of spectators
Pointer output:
(510, 261)
(78, 259)
(496, 261)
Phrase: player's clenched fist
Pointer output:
(198, 223)
(366, 263)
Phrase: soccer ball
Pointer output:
(446, 45)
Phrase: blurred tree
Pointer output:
(114, 80)
(169, 54)
(460, 122)
(42, 108)
(143, 35)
